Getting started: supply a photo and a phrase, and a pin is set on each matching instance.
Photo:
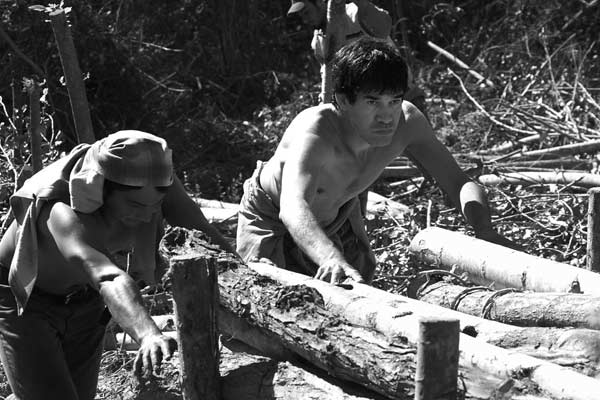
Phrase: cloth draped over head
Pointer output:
(132, 158)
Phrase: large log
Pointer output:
(487, 263)
(295, 316)
(398, 316)
(558, 310)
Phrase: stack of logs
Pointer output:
(367, 337)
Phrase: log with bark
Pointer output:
(486, 263)
(398, 316)
(558, 310)
(295, 316)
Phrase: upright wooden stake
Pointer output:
(73, 76)
(593, 237)
(34, 125)
(437, 359)
(195, 298)
(334, 39)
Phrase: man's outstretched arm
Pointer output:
(466, 195)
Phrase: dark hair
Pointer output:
(368, 65)
(110, 186)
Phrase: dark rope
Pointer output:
(459, 297)
(489, 303)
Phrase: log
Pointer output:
(296, 317)
(437, 359)
(218, 211)
(581, 179)
(398, 316)
(487, 263)
(593, 236)
(193, 274)
(559, 310)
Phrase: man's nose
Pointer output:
(385, 115)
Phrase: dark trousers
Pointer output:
(53, 350)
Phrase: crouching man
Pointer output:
(300, 210)
(60, 275)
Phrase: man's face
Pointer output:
(311, 14)
(375, 116)
(133, 207)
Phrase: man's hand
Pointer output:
(336, 272)
(153, 350)
(490, 235)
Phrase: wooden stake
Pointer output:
(437, 359)
(34, 125)
(73, 76)
(195, 298)
(334, 39)
(593, 236)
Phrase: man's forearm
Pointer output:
(474, 206)
(309, 236)
(124, 301)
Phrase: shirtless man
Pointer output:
(302, 202)
(59, 269)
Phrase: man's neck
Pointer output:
(351, 136)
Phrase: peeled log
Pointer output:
(582, 179)
(519, 308)
(488, 263)
(295, 316)
(395, 315)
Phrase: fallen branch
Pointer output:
(460, 63)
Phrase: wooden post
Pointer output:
(437, 359)
(593, 236)
(73, 77)
(334, 39)
(195, 298)
(33, 88)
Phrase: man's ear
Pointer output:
(341, 100)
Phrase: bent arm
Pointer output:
(465, 194)
(180, 210)
(298, 191)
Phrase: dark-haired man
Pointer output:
(59, 267)
(362, 18)
(300, 209)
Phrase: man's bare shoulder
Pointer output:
(59, 221)
(318, 120)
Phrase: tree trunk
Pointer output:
(334, 38)
(487, 263)
(559, 310)
(73, 76)
(398, 316)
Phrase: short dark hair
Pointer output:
(368, 65)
